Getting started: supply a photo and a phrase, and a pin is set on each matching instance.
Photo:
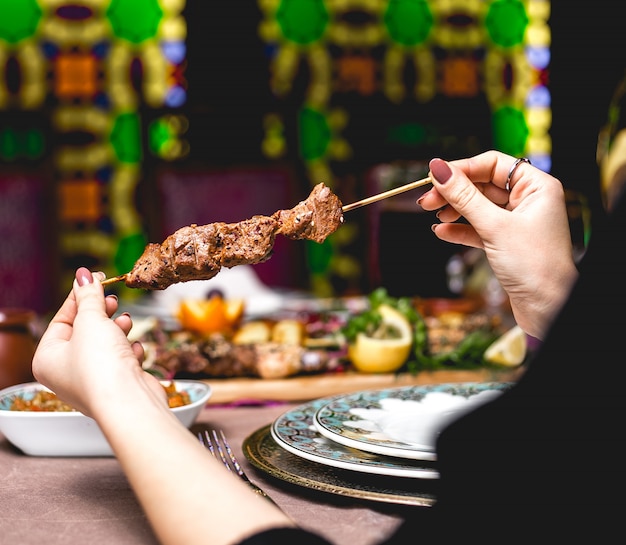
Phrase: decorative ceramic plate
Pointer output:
(402, 422)
(294, 431)
(265, 454)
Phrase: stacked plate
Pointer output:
(390, 432)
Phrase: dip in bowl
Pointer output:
(71, 433)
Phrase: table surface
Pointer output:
(69, 501)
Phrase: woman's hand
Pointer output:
(84, 355)
(86, 359)
(524, 232)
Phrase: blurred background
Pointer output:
(123, 120)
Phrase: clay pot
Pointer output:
(17, 345)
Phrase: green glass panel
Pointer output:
(408, 134)
(506, 22)
(128, 251)
(135, 20)
(159, 134)
(510, 131)
(18, 19)
(126, 138)
(302, 21)
(33, 143)
(315, 134)
(319, 255)
(8, 144)
(408, 22)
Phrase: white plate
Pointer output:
(73, 433)
(294, 431)
(402, 422)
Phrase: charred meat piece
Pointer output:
(247, 242)
(314, 219)
(198, 252)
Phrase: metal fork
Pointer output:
(218, 446)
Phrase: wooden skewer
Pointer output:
(113, 279)
(386, 194)
(345, 208)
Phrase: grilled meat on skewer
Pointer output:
(198, 252)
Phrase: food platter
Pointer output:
(315, 363)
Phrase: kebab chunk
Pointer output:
(198, 252)
(315, 218)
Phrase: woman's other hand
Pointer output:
(84, 355)
(523, 229)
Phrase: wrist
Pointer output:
(535, 315)
(125, 392)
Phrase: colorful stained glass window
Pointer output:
(95, 93)
(94, 70)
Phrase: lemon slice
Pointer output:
(373, 355)
(509, 349)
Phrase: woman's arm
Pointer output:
(188, 496)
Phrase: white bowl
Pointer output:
(73, 433)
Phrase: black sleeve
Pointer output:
(278, 536)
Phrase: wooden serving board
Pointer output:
(306, 388)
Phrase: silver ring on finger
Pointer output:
(509, 176)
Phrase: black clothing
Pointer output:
(546, 460)
(288, 536)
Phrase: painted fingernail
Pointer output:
(83, 276)
(433, 227)
(440, 170)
